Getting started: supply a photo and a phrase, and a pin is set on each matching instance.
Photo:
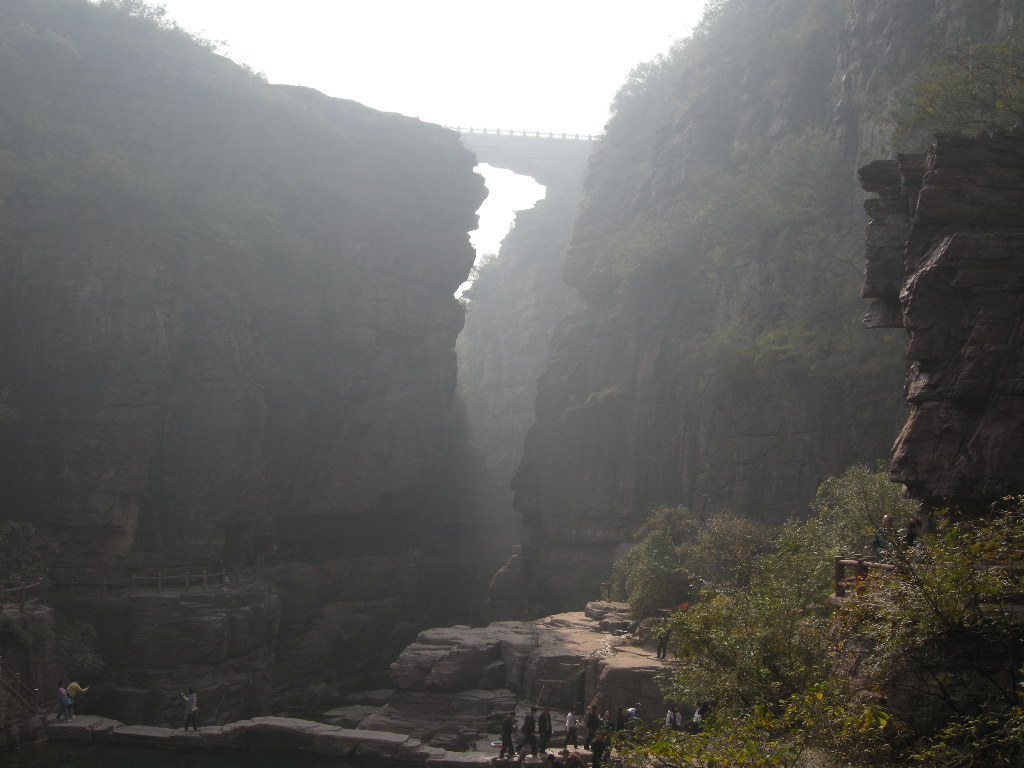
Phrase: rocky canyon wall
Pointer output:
(516, 302)
(227, 326)
(717, 361)
(944, 261)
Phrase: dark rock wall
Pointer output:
(227, 322)
(955, 281)
(515, 304)
(30, 670)
(253, 322)
(668, 386)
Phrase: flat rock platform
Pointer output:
(271, 733)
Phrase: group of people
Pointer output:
(536, 733)
(66, 697)
(676, 721)
(888, 538)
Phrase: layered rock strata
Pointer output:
(453, 685)
(227, 327)
(945, 259)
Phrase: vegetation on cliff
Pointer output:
(921, 666)
(973, 87)
(764, 245)
(719, 362)
(24, 553)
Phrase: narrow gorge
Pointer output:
(280, 462)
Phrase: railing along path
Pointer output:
(187, 582)
(861, 566)
(11, 681)
(19, 594)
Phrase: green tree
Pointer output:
(24, 552)
(971, 88)
(941, 638)
(77, 647)
(651, 574)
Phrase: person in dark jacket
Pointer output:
(544, 728)
(508, 727)
(598, 747)
(593, 722)
(529, 734)
(191, 709)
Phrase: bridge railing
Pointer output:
(561, 136)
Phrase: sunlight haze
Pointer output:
(538, 66)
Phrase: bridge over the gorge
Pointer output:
(547, 156)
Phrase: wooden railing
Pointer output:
(19, 594)
(11, 681)
(861, 566)
(187, 581)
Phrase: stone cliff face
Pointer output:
(259, 344)
(944, 260)
(453, 686)
(227, 323)
(717, 362)
(670, 386)
(517, 301)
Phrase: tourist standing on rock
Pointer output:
(620, 719)
(529, 734)
(664, 634)
(63, 702)
(73, 690)
(593, 722)
(191, 709)
(570, 731)
(508, 727)
(544, 727)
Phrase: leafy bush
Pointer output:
(942, 639)
(677, 551)
(77, 648)
(651, 575)
(921, 666)
(24, 552)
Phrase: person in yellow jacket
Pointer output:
(73, 690)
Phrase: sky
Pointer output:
(537, 65)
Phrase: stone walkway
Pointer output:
(263, 733)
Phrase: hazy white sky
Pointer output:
(550, 65)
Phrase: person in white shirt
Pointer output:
(570, 731)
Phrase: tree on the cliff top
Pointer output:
(971, 88)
